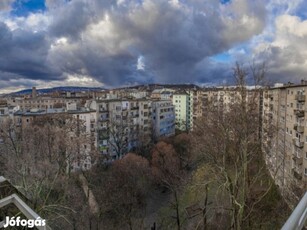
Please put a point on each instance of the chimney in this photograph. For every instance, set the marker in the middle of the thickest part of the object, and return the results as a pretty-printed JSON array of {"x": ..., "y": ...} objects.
[{"x": 34, "y": 94}]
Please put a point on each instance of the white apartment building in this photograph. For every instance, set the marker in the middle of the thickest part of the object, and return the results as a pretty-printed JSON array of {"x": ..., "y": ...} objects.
[{"x": 183, "y": 110}]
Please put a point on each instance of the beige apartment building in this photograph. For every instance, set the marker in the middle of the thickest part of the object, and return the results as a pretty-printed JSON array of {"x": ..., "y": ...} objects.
[
  {"x": 122, "y": 125},
  {"x": 285, "y": 137}
]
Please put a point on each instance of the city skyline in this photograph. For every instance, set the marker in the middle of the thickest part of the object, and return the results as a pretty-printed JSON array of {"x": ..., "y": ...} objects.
[{"x": 119, "y": 43}]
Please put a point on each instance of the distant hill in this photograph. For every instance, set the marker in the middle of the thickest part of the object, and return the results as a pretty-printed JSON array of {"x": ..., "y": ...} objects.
[
  {"x": 159, "y": 86},
  {"x": 80, "y": 89},
  {"x": 59, "y": 89}
]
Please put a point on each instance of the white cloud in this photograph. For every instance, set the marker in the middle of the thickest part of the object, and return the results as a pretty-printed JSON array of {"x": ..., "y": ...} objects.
[{"x": 140, "y": 63}]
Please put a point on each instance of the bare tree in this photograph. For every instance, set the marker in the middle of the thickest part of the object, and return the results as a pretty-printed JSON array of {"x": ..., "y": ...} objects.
[
  {"x": 168, "y": 172},
  {"x": 229, "y": 142},
  {"x": 37, "y": 158},
  {"x": 118, "y": 136}
]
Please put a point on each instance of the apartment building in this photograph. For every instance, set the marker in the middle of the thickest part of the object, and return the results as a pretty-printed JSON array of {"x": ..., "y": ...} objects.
[
  {"x": 162, "y": 94},
  {"x": 163, "y": 118},
  {"x": 285, "y": 137},
  {"x": 7, "y": 111},
  {"x": 88, "y": 123},
  {"x": 123, "y": 124},
  {"x": 85, "y": 124},
  {"x": 44, "y": 102},
  {"x": 183, "y": 110}
]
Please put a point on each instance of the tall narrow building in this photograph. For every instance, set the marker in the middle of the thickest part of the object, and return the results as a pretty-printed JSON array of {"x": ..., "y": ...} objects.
[{"x": 285, "y": 137}]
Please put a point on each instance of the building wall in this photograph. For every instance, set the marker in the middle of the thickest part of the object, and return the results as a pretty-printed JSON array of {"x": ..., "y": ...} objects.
[
  {"x": 285, "y": 137},
  {"x": 131, "y": 115},
  {"x": 163, "y": 118},
  {"x": 182, "y": 111}
]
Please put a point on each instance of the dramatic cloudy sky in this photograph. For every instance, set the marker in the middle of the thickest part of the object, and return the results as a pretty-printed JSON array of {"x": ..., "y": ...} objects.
[{"x": 112, "y": 43}]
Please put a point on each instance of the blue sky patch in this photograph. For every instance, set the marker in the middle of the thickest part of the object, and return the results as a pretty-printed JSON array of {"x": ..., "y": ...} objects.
[
  {"x": 222, "y": 57},
  {"x": 25, "y": 7},
  {"x": 224, "y": 1}
]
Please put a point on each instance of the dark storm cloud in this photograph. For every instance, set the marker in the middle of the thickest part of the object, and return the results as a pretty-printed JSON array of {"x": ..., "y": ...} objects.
[
  {"x": 285, "y": 64},
  {"x": 24, "y": 53},
  {"x": 70, "y": 20},
  {"x": 104, "y": 39},
  {"x": 172, "y": 38}
]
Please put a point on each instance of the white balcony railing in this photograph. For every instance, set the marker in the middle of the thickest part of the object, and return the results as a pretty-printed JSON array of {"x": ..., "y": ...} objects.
[
  {"x": 298, "y": 217},
  {"x": 21, "y": 205}
]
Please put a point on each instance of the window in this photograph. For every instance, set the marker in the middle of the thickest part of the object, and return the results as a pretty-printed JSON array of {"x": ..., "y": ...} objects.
[{"x": 305, "y": 171}]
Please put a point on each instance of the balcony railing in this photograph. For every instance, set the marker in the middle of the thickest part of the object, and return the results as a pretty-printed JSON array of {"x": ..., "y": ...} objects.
[
  {"x": 298, "y": 143},
  {"x": 103, "y": 119},
  {"x": 23, "y": 207},
  {"x": 19, "y": 203},
  {"x": 298, "y": 160},
  {"x": 296, "y": 173},
  {"x": 299, "y": 112},
  {"x": 299, "y": 128},
  {"x": 298, "y": 218},
  {"x": 300, "y": 98}
]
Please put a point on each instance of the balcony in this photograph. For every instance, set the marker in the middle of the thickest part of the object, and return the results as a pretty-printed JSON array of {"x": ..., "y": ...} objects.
[
  {"x": 103, "y": 148},
  {"x": 103, "y": 135},
  {"x": 298, "y": 160},
  {"x": 103, "y": 119},
  {"x": 298, "y": 143},
  {"x": 299, "y": 128},
  {"x": 103, "y": 110},
  {"x": 299, "y": 112},
  {"x": 135, "y": 108},
  {"x": 298, "y": 218},
  {"x": 300, "y": 98},
  {"x": 10, "y": 197},
  {"x": 103, "y": 128},
  {"x": 296, "y": 174}
]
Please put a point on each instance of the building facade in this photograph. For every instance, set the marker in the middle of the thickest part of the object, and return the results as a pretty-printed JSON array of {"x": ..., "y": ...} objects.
[
  {"x": 285, "y": 137},
  {"x": 163, "y": 118},
  {"x": 183, "y": 110}
]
